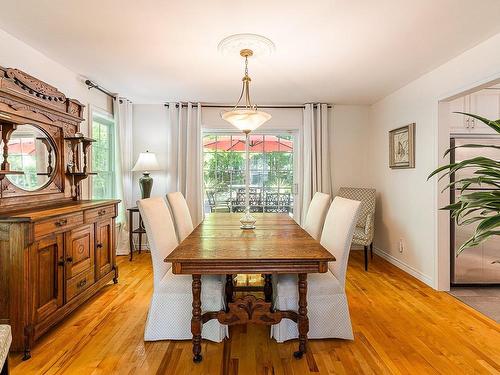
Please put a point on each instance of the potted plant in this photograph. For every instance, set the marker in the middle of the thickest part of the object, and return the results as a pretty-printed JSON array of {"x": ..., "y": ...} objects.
[{"x": 482, "y": 207}]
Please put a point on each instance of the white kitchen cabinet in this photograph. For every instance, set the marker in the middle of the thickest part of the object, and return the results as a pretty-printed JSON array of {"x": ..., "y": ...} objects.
[{"x": 485, "y": 103}]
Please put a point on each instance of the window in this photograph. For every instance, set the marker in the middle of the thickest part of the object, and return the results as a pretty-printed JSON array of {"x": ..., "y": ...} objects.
[
  {"x": 271, "y": 172},
  {"x": 103, "y": 156}
]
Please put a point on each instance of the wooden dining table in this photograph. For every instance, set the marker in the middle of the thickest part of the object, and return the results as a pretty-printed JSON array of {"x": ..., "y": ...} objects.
[{"x": 278, "y": 245}]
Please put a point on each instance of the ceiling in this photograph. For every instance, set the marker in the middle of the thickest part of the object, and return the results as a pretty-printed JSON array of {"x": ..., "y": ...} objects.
[{"x": 336, "y": 51}]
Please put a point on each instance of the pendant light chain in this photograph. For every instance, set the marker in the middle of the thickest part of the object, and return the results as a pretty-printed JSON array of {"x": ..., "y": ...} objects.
[{"x": 246, "y": 85}]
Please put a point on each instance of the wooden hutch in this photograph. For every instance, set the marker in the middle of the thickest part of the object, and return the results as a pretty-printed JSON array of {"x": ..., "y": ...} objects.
[{"x": 56, "y": 250}]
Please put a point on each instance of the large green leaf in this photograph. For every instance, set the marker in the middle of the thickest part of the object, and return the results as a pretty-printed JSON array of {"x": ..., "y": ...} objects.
[
  {"x": 494, "y": 124},
  {"x": 482, "y": 207},
  {"x": 470, "y": 145}
]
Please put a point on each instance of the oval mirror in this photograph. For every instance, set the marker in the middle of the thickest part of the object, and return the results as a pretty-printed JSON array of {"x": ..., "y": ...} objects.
[{"x": 33, "y": 152}]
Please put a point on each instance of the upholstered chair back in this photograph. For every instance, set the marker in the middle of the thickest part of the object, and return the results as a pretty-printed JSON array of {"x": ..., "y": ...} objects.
[
  {"x": 337, "y": 233},
  {"x": 161, "y": 233},
  {"x": 316, "y": 214},
  {"x": 182, "y": 216},
  {"x": 367, "y": 198}
]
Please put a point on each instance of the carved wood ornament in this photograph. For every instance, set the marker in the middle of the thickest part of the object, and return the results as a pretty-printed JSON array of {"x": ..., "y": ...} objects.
[{"x": 25, "y": 99}]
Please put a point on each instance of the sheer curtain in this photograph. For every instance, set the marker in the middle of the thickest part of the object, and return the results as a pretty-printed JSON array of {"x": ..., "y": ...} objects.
[
  {"x": 184, "y": 165},
  {"x": 315, "y": 170},
  {"x": 123, "y": 169}
]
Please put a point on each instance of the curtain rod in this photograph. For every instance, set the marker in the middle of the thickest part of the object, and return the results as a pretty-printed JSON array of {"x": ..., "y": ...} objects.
[
  {"x": 208, "y": 105},
  {"x": 92, "y": 85}
]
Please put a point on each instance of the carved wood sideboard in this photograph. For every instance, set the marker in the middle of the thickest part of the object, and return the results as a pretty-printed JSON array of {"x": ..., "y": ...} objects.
[
  {"x": 51, "y": 261},
  {"x": 56, "y": 250}
]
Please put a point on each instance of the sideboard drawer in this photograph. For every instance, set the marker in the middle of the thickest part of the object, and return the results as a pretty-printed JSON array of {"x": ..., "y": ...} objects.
[
  {"x": 79, "y": 283},
  {"x": 95, "y": 214},
  {"x": 58, "y": 224}
]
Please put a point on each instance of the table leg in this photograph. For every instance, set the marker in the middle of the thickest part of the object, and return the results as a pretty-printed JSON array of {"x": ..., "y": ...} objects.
[
  {"x": 196, "y": 319},
  {"x": 268, "y": 287},
  {"x": 303, "y": 320},
  {"x": 229, "y": 290},
  {"x": 130, "y": 234}
]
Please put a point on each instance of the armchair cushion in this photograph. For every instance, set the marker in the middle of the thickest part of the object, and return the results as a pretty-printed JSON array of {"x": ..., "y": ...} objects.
[
  {"x": 5, "y": 341},
  {"x": 360, "y": 237}
]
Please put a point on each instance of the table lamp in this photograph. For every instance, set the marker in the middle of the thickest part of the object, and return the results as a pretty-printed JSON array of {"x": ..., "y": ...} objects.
[{"x": 146, "y": 162}]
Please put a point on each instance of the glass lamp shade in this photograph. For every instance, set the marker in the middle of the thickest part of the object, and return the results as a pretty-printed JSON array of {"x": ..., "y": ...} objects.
[
  {"x": 246, "y": 120},
  {"x": 146, "y": 162}
]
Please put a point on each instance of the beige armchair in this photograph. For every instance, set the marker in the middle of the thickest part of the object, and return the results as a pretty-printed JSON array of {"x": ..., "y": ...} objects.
[
  {"x": 5, "y": 341},
  {"x": 365, "y": 226}
]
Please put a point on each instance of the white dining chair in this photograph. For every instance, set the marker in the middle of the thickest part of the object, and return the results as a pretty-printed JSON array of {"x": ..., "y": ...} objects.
[
  {"x": 327, "y": 306},
  {"x": 316, "y": 213},
  {"x": 169, "y": 316},
  {"x": 182, "y": 216}
]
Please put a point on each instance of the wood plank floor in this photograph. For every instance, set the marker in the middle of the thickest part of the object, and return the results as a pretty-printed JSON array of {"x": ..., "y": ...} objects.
[{"x": 400, "y": 326}]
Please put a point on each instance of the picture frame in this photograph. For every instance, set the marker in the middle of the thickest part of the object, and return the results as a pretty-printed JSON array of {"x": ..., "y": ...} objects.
[{"x": 402, "y": 147}]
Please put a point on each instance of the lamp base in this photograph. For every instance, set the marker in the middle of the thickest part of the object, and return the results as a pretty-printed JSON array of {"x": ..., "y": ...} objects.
[
  {"x": 146, "y": 184},
  {"x": 247, "y": 220}
]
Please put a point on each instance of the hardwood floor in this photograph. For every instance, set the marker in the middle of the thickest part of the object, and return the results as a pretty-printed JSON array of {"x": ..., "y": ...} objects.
[{"x": 401, "y": 326}]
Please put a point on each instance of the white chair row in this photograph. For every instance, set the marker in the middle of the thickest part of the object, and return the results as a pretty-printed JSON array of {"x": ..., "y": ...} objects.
[
  {"x": 169, "y": 316},
  {"x": 327, "y": 305}
]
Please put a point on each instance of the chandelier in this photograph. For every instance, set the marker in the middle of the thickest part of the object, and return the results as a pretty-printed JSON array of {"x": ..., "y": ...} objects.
[{"x": 246, "y": 117}]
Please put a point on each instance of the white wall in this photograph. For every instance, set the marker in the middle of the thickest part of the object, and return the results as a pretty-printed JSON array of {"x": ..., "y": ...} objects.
[
  {"x": 350, "y": 140},
  {"x": 408, "y": 204},
  {"x": 17, "y": 54}
]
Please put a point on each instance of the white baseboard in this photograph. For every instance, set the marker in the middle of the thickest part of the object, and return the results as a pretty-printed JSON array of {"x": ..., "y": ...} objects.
[{"x": 405, "y": 267}]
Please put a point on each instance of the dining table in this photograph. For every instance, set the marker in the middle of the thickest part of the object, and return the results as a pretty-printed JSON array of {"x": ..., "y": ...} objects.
[{"x": 277, "y": 245}]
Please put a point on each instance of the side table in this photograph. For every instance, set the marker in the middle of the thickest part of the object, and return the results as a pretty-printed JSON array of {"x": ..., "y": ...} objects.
[{"x": 139, "y": 230}]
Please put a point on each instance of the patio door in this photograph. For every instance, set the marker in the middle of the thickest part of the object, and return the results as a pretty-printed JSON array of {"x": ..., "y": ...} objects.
[{"x": 272, "y": 172}]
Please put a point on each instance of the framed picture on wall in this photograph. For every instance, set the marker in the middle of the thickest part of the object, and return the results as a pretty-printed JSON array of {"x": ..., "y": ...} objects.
[{"x": 402, "y": 147}]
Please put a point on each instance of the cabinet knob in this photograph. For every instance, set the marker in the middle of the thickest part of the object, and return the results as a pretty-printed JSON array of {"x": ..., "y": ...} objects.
[
  {"x": 101, "y": 212},
  {"x": 61, "y": 222},
  {"x": 69, "y": 259},
  {"x": 60, "y": 262},
  {"x": 81, "y": 283},
  {"x": 99, "y": 245}
]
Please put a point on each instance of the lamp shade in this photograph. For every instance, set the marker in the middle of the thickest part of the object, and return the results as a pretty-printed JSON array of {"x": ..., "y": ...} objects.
[
  {"x": 146, "y": 162},
  {"x": 246, "y": 120}
]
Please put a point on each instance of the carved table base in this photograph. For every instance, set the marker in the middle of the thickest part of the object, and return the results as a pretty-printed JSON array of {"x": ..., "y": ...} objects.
[{"x": 249, "y": 309}]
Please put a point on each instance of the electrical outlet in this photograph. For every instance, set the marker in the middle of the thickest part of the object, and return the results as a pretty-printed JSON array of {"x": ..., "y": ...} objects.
[{"x": 401, "y": 245}]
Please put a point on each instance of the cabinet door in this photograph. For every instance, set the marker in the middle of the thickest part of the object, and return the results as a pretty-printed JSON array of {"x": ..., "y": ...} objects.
[
  {"x": 458, "y": 122},
  {"x": 104, "y": 247},
  {"x": 485, "y": 103},
  {"x": 80, "y": 260},
  {"x": 47, "y": 274}
]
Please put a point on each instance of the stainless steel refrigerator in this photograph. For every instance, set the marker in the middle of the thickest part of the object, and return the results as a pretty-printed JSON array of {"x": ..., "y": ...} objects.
[{"x": 481, "y": 264}]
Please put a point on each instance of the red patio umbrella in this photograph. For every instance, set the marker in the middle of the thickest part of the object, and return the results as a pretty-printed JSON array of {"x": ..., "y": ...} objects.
[
  {"x": 26, "y": 148},
  {"x": 270, "y": 143}
]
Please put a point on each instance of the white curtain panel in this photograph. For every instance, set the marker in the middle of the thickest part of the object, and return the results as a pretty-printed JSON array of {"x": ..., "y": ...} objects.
[
  {"x": 123, "y": 167},
  {"x": 315, "y": 171},
  {"x": 184, "y": 165}
]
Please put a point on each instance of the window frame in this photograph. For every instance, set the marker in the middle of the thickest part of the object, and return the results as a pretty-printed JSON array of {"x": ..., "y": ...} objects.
[
  {"x": 109, "y": 121},
  {"x": 274, "y": 132}
]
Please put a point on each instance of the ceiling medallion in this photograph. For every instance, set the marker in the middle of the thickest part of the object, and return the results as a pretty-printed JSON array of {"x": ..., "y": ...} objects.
[{"x": 233, "y": 44}]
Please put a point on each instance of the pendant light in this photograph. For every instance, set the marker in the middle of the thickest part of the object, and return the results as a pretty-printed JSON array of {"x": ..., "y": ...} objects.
[{"x": 246, "y": 118}]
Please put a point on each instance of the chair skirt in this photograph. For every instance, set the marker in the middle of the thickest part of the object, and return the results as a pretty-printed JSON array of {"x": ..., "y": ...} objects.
[
  {"x": 327, "y": 308},
  {"x": 170, "y": 312}
]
